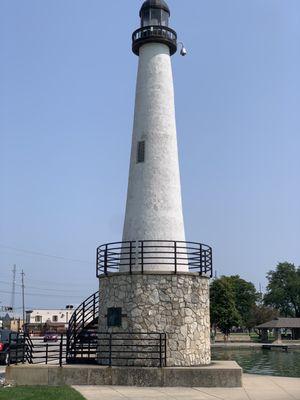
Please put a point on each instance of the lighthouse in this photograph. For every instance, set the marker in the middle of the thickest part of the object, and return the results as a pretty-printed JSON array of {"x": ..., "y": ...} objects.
[
  {"x": 154, "y": 285},
  {"x": 154, "y": 206}
]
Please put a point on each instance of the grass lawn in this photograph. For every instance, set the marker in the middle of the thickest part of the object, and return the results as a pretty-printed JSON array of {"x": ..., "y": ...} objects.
[{"x": 39, "y": 393}]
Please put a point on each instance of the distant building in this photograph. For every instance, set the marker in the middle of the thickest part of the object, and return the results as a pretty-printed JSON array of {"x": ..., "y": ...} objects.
[
  {"x": 16, "y": 324},
  {"x": 40, "y": 320}
]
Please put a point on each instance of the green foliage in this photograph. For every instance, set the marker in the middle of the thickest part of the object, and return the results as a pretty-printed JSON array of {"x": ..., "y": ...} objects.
[
  {"x": 233, "y": 299},
  {"x": 245, "y": 297},
  {"x": 39, "y": 393},
  {"x": 260, "y": 314},
  {"x": 223, "y": 311},
  {"x": 283, "y": 290}
]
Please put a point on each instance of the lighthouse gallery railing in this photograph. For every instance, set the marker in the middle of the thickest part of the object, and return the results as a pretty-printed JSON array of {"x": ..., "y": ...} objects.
[{"x": 144, "y": 255}]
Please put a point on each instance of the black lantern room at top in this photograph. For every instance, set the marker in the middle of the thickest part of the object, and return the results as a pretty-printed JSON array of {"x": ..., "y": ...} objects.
[
  {"x": 155, "y": 15},
  {"x": 154, "y": 12}
]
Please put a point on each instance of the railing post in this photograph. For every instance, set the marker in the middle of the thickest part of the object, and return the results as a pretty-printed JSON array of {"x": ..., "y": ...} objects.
[
  {"x": 165, "y": 340},
  {"x": 89, "y": 346},
  {"x": 94, "y": 305},
  {"x": 47, "y": 349},
  {"x": 175, "y": 256},
  {"x": 23, "y": 348},
  {"x": 130, "y": 258},
  {"x": 17, "y": 348},
  {"x": 61, "y": 350},
  {"x": 110, "y": 349},
  {"x": 160, "y": 350},
  {"x": 68, "y": 345},
  {"x": 74, "y": 325},
  {"x": 73, "y": 345},
  {"x": 201, "y": 260},
  {"x": 105, "y": 260},
  {"x": 142, "y": 255}
]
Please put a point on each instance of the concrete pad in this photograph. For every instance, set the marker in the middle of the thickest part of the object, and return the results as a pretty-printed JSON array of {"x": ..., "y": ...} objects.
[
  {"x": 219, "y": 374},
  {"x": 132, "y": 376},
  {"x": 256, "y": 387},
  {"x": 27, "y": 375},
  {"x": 225, "y": 393}
]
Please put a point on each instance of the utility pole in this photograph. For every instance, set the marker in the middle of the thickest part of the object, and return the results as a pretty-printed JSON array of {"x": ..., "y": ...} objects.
[
  {"x": 23, "y": 297},
  {"x": 13, "y": 290}
]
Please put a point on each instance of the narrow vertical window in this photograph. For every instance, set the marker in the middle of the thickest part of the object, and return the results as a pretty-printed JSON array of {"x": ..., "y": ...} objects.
[{"x": 141, "y": 152}]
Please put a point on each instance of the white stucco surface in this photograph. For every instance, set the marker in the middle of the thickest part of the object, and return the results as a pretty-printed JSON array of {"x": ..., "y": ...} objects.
[{"x": 154, "y": 206}]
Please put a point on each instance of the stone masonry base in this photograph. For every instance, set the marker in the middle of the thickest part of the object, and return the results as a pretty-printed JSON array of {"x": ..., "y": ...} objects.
[
  {"x": 177, "y": 305},
  {"x": 218, "y": 374}
]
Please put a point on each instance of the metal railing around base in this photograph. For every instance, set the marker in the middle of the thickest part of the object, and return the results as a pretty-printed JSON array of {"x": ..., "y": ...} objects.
[
  {"x": 35, "y": 350},
  {"x": 154, "y": 255},
  {"x": 132, "y": 349},
  {"x": 111, "y": 349}
]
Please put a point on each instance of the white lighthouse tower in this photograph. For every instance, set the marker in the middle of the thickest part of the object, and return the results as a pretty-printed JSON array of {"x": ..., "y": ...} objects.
[
  {"x": 154, "y": 207},
  {"x": 154, "y": 285}
]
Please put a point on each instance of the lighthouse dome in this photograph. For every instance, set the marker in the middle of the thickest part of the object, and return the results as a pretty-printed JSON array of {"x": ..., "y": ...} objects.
[
  {"x": 155, "y": 15},
  {"x": 158, "y": 4}
]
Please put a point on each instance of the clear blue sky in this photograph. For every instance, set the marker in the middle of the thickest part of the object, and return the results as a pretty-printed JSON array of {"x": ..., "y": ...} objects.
[{"x": 67, "y": 82}]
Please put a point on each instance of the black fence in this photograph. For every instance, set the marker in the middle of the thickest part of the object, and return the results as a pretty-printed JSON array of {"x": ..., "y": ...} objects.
[
  {"x": 111, "y": 349},
  {"x": 154, "y": 33},
  {"x": 151, "y": 255},
  {"x": 134, "y": 349},
  {"x": 36, "y": 350}
]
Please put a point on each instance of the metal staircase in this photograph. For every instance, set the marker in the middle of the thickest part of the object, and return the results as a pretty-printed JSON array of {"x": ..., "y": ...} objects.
[{"x": 81, "y": 334}]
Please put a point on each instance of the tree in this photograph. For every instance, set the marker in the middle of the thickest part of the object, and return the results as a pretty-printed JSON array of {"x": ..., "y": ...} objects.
[
  {"x": 283, "y": 290},
  {"x": 260, "y": 314},
  {"x": 245, "y": 297},
  {"x": 223, "y": 311}
]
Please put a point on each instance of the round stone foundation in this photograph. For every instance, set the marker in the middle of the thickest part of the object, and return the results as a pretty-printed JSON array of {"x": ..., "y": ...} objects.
[{"x": 177, "y": 305}]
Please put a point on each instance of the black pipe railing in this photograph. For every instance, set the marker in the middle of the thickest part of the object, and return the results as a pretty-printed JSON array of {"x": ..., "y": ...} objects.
[
  {"x": 33, "y": 350},
  {"x": 152, "y": 255},
  {"x": 85, "y": 316},
  {"x": 111, "y": 349},
  {"x": 154, "y": 33},
  {"x": 132, "y": 349}
]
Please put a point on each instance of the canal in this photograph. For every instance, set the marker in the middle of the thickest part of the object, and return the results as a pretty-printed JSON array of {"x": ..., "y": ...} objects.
[{"x": 264, "y": 362}]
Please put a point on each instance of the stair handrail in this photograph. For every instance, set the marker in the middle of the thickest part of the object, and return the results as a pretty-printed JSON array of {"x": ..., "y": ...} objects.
[{"x": 84, "y": 314}]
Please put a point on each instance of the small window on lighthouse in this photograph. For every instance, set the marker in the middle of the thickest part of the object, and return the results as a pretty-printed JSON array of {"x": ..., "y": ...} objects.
[
  {"x": 114, "y": 316},
  {"x": 141, "y": 152}
]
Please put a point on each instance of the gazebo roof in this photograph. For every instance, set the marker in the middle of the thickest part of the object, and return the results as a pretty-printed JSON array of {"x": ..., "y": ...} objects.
[{"x": 281, "y": 323}]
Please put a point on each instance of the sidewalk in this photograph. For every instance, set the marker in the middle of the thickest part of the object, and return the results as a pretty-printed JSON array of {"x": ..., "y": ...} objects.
[{"x": 255, "y": 387}]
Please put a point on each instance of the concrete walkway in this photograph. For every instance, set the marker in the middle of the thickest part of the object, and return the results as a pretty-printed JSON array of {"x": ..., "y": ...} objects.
[{"x": 255, "y": 387}]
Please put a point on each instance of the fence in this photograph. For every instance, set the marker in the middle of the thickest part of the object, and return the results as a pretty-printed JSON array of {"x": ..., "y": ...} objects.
[
  {"x": 111, "y": 349},
  {"x": 36, "y": 350},
  {"x": 145, "y": 255}
]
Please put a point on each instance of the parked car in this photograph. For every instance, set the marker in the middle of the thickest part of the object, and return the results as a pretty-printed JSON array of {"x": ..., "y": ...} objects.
[
  {"x": 13, "y": 347},
  {"x": 4, "y": 345},
  {"x": 50, "y": 337}
]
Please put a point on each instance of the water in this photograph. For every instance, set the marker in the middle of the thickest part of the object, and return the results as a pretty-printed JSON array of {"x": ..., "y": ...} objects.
[{"x": 263, "y": 362}]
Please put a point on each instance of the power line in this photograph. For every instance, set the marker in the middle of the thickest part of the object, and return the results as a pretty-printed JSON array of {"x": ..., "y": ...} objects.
[
  {"x": 51, "y": 283},
  {"x": 43, "y": 294},
  {"x": 37, "y": 253},
  {"x": 46, "y": 289}
]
